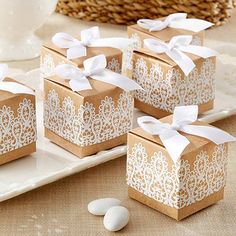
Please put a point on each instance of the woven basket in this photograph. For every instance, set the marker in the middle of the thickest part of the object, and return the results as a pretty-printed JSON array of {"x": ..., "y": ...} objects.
[{"x": 129, "y": 11}]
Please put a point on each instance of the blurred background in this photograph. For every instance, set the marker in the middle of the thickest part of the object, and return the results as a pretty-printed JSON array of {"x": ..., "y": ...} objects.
[{"x": 127, "y": 12}]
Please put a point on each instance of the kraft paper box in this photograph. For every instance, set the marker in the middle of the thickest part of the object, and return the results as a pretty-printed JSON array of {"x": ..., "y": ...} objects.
[
  {"x": 51, "y": 56},
  {"x": 138, "y": 34},
  {"x": 166, "y": 86},
  {"x": 178, "y": 190},
  {"x": 17, "y": 125},
  {"x": 88, "y": 121}
]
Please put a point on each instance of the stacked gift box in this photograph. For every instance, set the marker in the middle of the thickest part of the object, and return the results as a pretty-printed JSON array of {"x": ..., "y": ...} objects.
[
  {"x": 88, "y": 106},
  {"x": 172, "y": 70},
  {"x": 176, "y": 165}
]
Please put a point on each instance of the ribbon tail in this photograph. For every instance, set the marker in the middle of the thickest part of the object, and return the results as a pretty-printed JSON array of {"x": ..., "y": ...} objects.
[
  {"x": 214, "y": 134},
  {"x": 116, "y": 79},
  {"x": 175, "y": 143},
  {"x": 195, "y": 25},
  {"x": 200, "y": 51},
  {"x": 119, "y": 43},
  {"x": 183, "y": 61},
  {"x": 15, "y": 88}
]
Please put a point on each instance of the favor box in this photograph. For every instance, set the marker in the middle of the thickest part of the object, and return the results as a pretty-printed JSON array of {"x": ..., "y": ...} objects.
[
  {"x": 138, "y": 34},
  {"x": 88, "y": 121},
  {"x": 17, "y": 125},
  {"x": 51, "y": 56},
  {"x": 166, "y": 86},
  {"x": 178, "y": 189}
]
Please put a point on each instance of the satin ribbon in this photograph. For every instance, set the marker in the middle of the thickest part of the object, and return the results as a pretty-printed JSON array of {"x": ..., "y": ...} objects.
[
  {"x": 176, "y": 49},
  {"x": 176, "y": 21},
  {"x": 12, "y": 87},
  {"x": 183, "y": 117},
  {"x": 94, "y": 68},
  {"x": 89, "y": 38}
]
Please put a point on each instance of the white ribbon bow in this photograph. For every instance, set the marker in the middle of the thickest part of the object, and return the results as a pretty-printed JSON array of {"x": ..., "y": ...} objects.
[
  {"x": 177, "y": 21},
  {"x": 89, "y": 38},
  {"x": 12, "y": 87},
  {"x": 183, "y": 117},
  {"x": 175, "y": 51},
  {"x": 94, "y": 68}
]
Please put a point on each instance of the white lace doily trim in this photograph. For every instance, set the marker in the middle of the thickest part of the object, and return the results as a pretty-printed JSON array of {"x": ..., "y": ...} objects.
[
  {"x": 17, "y": 131},
  {"x": 167, "y": 90},
  {"x": 177, "y": 185},
  {"x": 84, "y": 126}
]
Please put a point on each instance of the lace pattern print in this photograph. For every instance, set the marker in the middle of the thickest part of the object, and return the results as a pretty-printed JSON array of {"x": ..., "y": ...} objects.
[
  {"x": 83, "y": 126},
  {"x": 167, "y": 90},
  {"x": 48, "y": 65},
  {"x": 128, "y": 55},
  {"x": 17, "y": 131},
  {"x": 176, "y": 186},
  {"x": 114, "y": 65}
]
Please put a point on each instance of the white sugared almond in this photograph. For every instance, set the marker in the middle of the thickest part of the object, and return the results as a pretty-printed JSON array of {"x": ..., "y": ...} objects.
[
  {"x": 116, "y": 218},
  {"x": 100, "y": 206}
]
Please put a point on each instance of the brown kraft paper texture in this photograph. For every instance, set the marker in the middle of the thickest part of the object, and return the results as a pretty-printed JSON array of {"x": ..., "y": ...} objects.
[
  {"x": 51, "y": 56},
  {"x": 165, "y": 85},
  {"x": 179, "y": 189},
  {"x": 89, "y": 121},
  {"x": 17, "y": 125}
]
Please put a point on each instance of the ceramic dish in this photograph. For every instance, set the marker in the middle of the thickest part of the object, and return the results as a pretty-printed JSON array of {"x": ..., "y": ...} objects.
[{"x": 51, "y": 162}]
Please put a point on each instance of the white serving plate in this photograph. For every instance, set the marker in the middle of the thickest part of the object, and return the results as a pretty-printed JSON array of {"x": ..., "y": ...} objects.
[{"x": 51, "y": 162}]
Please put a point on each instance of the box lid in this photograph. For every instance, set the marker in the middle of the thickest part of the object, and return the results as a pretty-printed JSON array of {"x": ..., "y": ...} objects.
[
  {"x": 4, "y": 95},
  {"x": 91, "y": 52},
  {"x": 98, "y": 87},
  {"x": 163, "y": 57},
  {"x": 165, "y": 34},
  {"x": 196, "y": 142}
]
